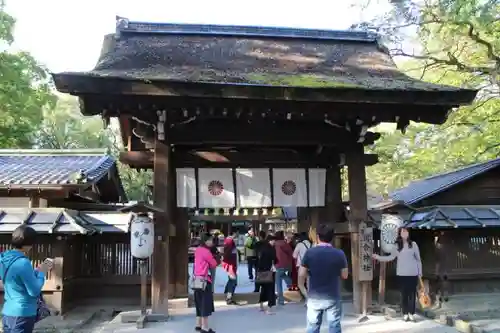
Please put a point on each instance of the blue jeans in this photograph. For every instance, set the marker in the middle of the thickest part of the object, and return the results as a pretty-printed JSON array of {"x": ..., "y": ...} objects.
[
  {"x": 315, "y": 310},
  {"x": 282, "y": 274},
  {"x": 18, "y": 324}
]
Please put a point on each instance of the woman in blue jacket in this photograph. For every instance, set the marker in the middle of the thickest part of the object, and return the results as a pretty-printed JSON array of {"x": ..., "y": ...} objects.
[{"x": 22, "y": 284}]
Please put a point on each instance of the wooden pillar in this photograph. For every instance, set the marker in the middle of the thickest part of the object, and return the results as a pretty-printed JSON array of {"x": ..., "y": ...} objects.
[
  {"x": 179, "y": 257},
  {"x": 334, "y": 208},
  {"x": 357, "y": 214},
  {"x": 56, "y": 300},
  {"x": 303, "y": 222},
  {"x": 162, "y": 198}
]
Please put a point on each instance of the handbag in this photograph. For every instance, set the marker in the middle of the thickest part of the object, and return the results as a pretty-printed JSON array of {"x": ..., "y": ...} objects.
[
  {"x": 264, "y": 277},
  {"x": 42, "y": 309},
  {"x": 198, "y": 282},
  {"x": 423, "y": 298}
]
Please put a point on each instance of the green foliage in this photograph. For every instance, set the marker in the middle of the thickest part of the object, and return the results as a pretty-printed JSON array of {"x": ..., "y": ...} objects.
[
  {"x": 64, "y": 127},
  {"x": 461, "y": 47},
  {"x": 24, "y": 90}
]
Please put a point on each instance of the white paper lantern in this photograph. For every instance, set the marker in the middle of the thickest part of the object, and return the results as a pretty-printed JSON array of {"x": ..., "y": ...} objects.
[
  {"x": 389, "y": 227},
  {"x": 142, "y": 234}
]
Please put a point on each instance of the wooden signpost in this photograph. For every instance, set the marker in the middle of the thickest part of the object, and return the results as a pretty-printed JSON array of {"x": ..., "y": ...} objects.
[{"x": 365, "y": 263}]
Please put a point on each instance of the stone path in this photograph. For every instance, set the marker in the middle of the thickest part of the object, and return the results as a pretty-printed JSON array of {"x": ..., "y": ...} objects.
[
  {"x": 288, "y": 319},
  {"x": 481, "y": 310}
]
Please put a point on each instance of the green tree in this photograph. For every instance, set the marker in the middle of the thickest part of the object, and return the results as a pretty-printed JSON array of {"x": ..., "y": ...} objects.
[
  {"x": 458, "y": 43},
  {"x": 24, "y": 90},
  {"x": 64, "y": 127}
]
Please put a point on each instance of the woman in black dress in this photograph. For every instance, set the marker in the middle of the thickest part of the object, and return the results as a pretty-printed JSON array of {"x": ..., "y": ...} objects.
[{"x": 266, "y": 257}]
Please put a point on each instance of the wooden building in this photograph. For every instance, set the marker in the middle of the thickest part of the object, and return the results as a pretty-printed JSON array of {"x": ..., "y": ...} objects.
[
  {"x": 455, "y": 219},
  {"x": 227, "y": 97},
  {"x": 44, "y": 189}
]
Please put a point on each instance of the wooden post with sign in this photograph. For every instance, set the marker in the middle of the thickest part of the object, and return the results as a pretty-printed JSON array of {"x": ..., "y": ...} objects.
[{"x": 365, "y": 263}]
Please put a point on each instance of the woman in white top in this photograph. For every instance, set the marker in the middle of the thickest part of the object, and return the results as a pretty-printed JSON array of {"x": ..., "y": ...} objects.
[
  {"x": 408, "y": 270},
  {"x": 301, "y": 247}
]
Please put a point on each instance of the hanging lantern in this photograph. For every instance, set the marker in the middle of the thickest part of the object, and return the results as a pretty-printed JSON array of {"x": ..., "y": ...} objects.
[
  {"x": 389, "y": 227},
  {"x": 142, "y": 236}
]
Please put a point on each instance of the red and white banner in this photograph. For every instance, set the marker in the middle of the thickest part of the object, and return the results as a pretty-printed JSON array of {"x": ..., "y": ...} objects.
[
  {"x": 216, "y": 188},
  {"x": 289, "y": 188}
]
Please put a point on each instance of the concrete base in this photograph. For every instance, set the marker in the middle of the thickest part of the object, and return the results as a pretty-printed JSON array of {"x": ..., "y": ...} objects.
[{"x": 141, "y": 319}]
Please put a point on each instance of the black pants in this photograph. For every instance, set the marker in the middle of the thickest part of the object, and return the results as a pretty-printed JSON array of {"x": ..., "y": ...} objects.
[
  {"x": 267, "y": 293},
  {"x": 251, "y": 262},
  {"x": 408, "y": 287}
]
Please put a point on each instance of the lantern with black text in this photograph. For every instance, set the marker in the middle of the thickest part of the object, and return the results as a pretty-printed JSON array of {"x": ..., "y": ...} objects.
[
  {"x": 142, "y": 236},
  {"x": 389, "y": 228}
]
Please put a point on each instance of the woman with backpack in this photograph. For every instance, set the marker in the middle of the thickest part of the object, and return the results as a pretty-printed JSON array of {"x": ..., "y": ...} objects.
[{"x": 301, "y": 247}]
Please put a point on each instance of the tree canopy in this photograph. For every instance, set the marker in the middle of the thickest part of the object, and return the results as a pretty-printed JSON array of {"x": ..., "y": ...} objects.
[
  {"x": 24, "y": 90},
  {"x": 457, "y": 42}
]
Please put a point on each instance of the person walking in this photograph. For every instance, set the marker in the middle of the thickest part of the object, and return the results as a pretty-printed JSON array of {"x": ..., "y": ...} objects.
[
  {"x": 250, "y": 254},
  {"x": 261, "y": 240},
  {"x": 302, "y": 245},
  {"x": 204, "y": 261},
  {"x": 408, "y": 271},
  {"x": 325, "y": 266},
  {"x": 22, "y": 284},
  {"x": 265, "y": 277},
  {"x": 230, "y": 265},
  {"x": 284, "y": 263}
]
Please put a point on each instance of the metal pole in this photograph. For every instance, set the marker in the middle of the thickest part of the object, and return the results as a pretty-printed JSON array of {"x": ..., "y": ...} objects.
[{"x": 144, "y": 282}]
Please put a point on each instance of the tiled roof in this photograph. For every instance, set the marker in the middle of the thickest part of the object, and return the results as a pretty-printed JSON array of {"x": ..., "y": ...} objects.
[
  {"x": 63, "y": 221},
  {"x": 46, "y": 168},
  {"x": 422, "y": 189},
  {"x": 444, "y": 217}
]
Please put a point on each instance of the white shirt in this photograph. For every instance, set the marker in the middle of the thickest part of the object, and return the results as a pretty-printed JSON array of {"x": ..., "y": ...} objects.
[{"x": 300, "y": 250}]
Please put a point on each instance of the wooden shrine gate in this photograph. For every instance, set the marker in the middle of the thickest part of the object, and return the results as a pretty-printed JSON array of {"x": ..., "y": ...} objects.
[{"x": 191, "y": 96}]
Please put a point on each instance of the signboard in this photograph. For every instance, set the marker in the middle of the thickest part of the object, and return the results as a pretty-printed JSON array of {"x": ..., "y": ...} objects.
[
  {"x": 365, "y": 252},
  {"x": 389, "y": 227}
]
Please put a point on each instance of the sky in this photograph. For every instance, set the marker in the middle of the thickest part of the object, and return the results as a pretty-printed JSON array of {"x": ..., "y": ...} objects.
[{"x": 66, "y": 35}]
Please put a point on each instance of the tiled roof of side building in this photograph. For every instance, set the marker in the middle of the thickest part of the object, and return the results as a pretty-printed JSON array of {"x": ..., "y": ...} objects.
[
  {"x": 424, "y": 188},
  {"x": 49, "y": 168}
]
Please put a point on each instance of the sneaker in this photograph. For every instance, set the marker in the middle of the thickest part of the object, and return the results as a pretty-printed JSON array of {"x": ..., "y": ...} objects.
[
  {"x": 231, "y": 302},
  {"x": 197, "y": 329},
  {"x": 406, "y": 317},
  {"x": 411, "y": 317}
]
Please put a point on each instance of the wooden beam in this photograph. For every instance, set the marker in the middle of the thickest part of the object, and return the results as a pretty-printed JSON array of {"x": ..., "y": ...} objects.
[
  {"x": 264, "y": 133},
  {"x": 231, "y": 159}
]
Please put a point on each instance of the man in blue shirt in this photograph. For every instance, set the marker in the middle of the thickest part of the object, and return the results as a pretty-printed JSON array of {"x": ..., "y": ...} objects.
[{"x": 324, "y": 265}]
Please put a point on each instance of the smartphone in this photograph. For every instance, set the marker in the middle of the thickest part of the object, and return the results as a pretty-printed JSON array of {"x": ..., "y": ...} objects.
[{"x": 49, "y": 262}]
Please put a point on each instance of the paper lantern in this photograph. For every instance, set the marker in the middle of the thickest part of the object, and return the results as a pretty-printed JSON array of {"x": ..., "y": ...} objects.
[
  {"x": 142, "y": 234},
  {"x": 389, "y": 227}
]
